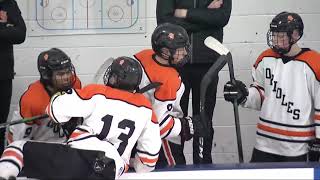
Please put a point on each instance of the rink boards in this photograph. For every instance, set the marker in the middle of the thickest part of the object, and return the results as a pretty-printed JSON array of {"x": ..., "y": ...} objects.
[{"x": 235, "y": 171}]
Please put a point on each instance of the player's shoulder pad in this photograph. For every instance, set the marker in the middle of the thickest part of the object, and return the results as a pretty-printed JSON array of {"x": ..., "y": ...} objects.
[
  {"x": 34, "y": 92},
  {"x": 144, "y": 54},
  {"x": 266, "y": 53},
  {"x": 77, "y": 84},
  {"x": 90, "y": 90},
  {"x": 312, "y": 59}
]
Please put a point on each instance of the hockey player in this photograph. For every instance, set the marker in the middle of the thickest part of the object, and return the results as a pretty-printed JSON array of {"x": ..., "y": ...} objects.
[
  {"x": 115, "y": 119},
  {"x": 286, "y": 90},
  {"x": 170, "y": 49},
  {"x": 56, "y": 74}
]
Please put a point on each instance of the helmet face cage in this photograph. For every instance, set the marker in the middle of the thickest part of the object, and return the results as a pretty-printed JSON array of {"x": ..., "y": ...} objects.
[
  {"x": 279, "y": 42},
  {"x": 124, "y": 73},
  {"x": 279, "y": 36},
  {"x": 171, "y": 42},
  {"x": 63, "y": 79},
  {"x": 177, "y": 57},
  {"x": 56, "y": 69}
]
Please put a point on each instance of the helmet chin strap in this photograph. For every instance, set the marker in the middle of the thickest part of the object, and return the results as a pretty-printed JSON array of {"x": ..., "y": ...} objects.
[
  {"x": 171, "y": 59},
  {"x": 282, "y": 51}
]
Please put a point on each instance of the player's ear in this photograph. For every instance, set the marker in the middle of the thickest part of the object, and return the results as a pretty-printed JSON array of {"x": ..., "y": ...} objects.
[{"x": 295, "y": 35}]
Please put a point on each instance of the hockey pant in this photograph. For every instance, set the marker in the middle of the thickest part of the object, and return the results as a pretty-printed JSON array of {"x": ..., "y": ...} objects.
[{"x": 60, "y": 161}]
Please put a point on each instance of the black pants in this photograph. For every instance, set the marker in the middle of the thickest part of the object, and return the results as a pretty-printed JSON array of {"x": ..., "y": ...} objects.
[
  {"x": 192, "y": 75},
  {"x": 261, "y": 156},
  {"x": 5, "y": 100},
  {"x": 58, "y": 161}
]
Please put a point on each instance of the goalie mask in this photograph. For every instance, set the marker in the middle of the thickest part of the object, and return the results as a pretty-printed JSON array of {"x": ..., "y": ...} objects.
[
  {"x": 56, "y": 69},
  {"x": 283, "y": 32},
  {"x": 124, "y": 73},
  {"x": 171, "y": 42}
]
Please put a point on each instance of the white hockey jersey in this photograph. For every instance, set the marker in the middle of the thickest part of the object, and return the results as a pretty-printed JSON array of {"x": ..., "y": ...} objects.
[
  {"x": 166, "y": 98},
  {"x": 287, "y": 93},
  {"x": 119, "y": 117}
]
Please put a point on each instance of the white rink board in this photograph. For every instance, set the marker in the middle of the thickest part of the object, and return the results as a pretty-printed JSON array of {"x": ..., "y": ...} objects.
[{"x": 292, "y": 173}]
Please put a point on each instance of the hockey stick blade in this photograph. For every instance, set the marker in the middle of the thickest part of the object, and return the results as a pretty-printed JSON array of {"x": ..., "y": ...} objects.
[
  {"x": 101, "y": 70},
  {"x": 215, "y": 45},
  {"x": 4, "y": 125}
]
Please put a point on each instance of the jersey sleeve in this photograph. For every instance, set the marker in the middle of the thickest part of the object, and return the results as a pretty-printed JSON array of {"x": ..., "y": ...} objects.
[
  {"x": 168, "y": 111},
  {"x": 148, "y": 147},
  {"x": 315, "y": 92},
  {"x": 256, "y": 90},
  {"x": 64, "y": 106},
  {"x": 18, "y": 131}
]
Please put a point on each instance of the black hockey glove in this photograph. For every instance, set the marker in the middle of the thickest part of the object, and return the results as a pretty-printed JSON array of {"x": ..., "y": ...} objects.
[
  {"x": 198, "y": 126},
  {"x": 56, "y": 128},
  {"x": 191, "y": 127},
  {"x": 238, "y": 91},
  {"x": 186, "y": 132},
  {"x": 314, "y": 150},
  {"x": 71, "y": 125}
]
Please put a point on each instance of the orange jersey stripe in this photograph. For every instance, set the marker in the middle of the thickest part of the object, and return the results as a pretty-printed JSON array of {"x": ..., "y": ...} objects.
[
  {"x": 167, "y": 127},
  {"x": 167, "y": 152},
  {"x": 76, "y": 134},
  {"x": 317, "y": 117},
  {"x": 11, "y": 153},
  {"x": 286, "y": 132},
  {"x": 266, "y": 53},
  {"x": 126, "y": 168},
  {"x": 147, "y": 160},
  {"x": 136, "y": 99}
]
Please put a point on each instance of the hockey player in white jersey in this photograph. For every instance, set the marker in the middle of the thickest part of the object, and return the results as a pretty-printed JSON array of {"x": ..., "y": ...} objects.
[
  {"x": 170, "y": 49},
  {"x": 57, "y": 73},
  {"x": 115, "y": 119},
  {"x": 286, "y": 90}
]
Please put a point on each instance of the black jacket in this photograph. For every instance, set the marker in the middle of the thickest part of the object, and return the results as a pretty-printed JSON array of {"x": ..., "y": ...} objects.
[
  {"x": 200, "y": 23},
  {"x": 12, "y": 32}
]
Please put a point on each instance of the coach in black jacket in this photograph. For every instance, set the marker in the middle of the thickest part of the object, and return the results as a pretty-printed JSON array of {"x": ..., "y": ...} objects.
[
  {"x": 12, "y": 31},
  {"x": 201, "y": 18}
]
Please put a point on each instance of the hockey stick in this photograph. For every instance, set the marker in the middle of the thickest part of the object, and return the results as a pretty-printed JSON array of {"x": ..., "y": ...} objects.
[
  {"x": 206, "y": 80},
  {"x": 101, "y": 70},
  {"x": 25, "y": 120},
  {"x": 215, "y": 45},
  {"x": 153, "y": 85}
]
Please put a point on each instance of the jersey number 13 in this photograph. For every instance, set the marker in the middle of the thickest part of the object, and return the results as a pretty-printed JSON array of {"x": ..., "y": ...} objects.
[{"x": 125, "y": 123}]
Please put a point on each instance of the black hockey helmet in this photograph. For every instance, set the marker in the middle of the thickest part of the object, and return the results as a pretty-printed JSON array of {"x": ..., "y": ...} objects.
[
  {"x": 284, "y": 22},
  {"x": 53, "y": 60},
  {"x": 124, "y": 73},
  {"x": 172, "y": 37}
]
